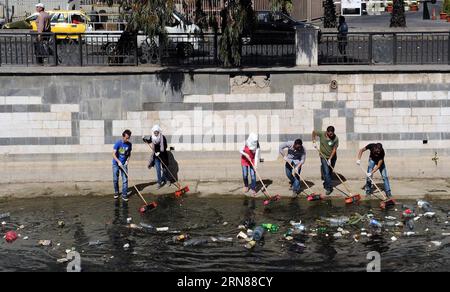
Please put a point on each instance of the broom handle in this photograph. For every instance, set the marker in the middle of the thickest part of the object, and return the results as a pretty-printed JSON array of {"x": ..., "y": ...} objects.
[
  {"x": 373, "y": 182},
  {"x": 139, "y": 193},
  {"x": 168, "y": 170},
  {"x": 337, "y": 174},
  {"x": 298, "y": 173},
  {"x": 259, "y": 177}
]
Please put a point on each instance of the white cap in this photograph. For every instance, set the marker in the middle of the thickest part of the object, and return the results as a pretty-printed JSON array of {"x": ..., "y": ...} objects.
[{"x": 40, "y": 5}]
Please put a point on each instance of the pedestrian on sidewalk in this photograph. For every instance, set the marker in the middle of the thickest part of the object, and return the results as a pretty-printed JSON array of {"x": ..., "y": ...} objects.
[
  {"x": 329, "y": 143},
  {"x": 295, "y": 159},
  {"x": 250, "y": 155},
  {"x": 158, "y": 143},
  {"x": 121, "y": 157},
  {"x": 376, "y": 162},
  {"x": 42, "y": 46}
]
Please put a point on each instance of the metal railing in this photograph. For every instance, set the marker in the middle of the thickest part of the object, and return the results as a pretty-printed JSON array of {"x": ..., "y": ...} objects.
[
  {"x": 106, "y": 49},
  {"x": 396, "y": 48}
]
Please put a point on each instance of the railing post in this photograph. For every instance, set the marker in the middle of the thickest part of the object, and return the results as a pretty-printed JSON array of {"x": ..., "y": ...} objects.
[
  {"x": 370, "y": 49},
  {"x": 394, "y": 53},
  {"x": 216, "y": 50},
  {"x": 136, "y": 49},
  {"x": 55, "y": 50},
  {"x": 448, "y": 49},
  {"x": 160, "y": 49},
  {"x": 80, "y": 46}
]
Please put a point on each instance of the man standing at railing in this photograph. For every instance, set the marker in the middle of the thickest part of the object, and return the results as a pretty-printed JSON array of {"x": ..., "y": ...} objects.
[
  {"x": 43, "y": 27},
  {"x": 342, "y": 36}
]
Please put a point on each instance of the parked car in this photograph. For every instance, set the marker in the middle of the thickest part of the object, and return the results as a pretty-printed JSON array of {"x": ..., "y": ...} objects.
[
  {"x": 183, "y": 40},
  {"x": 63, "y": 22},
  {"x": 274, "y": 28}
]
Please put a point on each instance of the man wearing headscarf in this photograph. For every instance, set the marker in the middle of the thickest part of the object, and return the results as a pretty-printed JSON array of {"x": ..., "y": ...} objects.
[
  {"x": 158, "y": 143},
  {"x": 250, "y": 155}
]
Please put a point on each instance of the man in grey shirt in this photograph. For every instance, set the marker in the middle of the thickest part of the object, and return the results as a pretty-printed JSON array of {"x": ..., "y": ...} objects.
[
  {"x": 43, "y": 26},
  {"x": 295, "y": 158}
]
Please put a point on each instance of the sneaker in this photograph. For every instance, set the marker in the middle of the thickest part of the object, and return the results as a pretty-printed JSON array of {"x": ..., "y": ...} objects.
[
  {"x": 246, "y": 189},
  {"x": 295, "y": 194},
  {"x": 253, "y": 193},
  {"x": 125, "y": 199},
  {"x": 161, "y": 185},
  {"x": 116, "y": 196},
  {"x": 328, "y": 192}
]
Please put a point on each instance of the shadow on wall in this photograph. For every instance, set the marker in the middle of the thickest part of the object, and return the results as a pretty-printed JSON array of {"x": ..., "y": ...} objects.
[
  {"x": 173, "y": 78},
  {"x": 173, "y": 167}
]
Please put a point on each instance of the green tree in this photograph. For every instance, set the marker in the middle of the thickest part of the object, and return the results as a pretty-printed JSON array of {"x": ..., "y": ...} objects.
[
  {"x": 284, "y": 6},
  {"x": 398, "y": 18},
  {"x": 329, "y": 20},
  {"x": 149, "y": 16},
  {"x": 446, "y": 6}
]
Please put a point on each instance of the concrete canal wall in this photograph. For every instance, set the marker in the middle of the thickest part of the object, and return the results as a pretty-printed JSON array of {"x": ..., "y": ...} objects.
[{"x": 59, "y": 124}]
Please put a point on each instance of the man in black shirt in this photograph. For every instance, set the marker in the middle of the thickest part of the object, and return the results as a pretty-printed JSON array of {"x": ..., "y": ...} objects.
[{"x": 376, "y": 162}]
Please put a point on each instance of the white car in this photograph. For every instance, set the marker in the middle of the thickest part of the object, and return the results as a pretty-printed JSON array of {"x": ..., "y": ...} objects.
[{"x": 183, "y": 38}]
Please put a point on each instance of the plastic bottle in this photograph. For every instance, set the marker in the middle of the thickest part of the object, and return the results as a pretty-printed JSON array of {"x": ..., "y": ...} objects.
[
  {"x": 196, "y": 242},
  {"x": 270, "y": 227},
  {"x": 147, "y": 226},
  {"x": 258, "y": 233},
  {"x": 337, "y": 222},
  {"x": 424, "y": 205},
  {"x": 375, "y": 224},
  {"x": 4, "y": 216}
]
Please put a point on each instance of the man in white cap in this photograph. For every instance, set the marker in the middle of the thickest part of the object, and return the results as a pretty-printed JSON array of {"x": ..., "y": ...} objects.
[
  {"x": 43, "y": 26},
  {"x": 43, "y": 19}
]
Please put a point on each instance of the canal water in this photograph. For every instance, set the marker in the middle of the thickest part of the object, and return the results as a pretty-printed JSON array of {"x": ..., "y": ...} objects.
[{"x": 100, "y": 220}]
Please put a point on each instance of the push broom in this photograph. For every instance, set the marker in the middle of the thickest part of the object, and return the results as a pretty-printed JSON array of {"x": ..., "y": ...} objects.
[
  {"x": 180, "y": 190},
  {"x": 350, "y": 199},
  {"x": 385, "y": 201},
  {"x": 312, "y": 196},
  {"x": 266, "y": 193},
  {"x": 147, "y": 206}
]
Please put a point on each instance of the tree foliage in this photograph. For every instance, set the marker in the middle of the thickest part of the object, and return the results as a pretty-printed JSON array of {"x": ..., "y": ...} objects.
[
  {"x": 398, "y": 18},
  {"x": 329, "y": 20}
]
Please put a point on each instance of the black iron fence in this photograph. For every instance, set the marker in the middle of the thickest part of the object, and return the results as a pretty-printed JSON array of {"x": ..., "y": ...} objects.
[
  {"x": 117, "y": 49},
  {"x": 108, "y": 49},
  {"x": 396, "y": 48}
]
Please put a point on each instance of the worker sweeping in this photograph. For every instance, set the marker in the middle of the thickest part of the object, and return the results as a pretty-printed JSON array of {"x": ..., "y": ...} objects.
[
  {"x": 121, "y": 157},
  {"x": 376, "y": 162},
  {"x": 158, "y": 143},
  {"x": 250, "y": 157},
  {"x": 329, "y": 143},
  {"x": 295, "y": 158}
]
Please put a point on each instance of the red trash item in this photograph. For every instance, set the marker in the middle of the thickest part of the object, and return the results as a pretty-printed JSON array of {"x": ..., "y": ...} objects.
[{"x": 11, "y": 236}]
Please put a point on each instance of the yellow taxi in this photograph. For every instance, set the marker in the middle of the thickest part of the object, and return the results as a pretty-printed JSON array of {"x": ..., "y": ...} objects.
[{"x": 64, "y": 23}]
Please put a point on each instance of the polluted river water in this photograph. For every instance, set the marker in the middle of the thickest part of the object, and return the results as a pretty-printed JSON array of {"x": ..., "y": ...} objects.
[{"x": 99, "y": 230}]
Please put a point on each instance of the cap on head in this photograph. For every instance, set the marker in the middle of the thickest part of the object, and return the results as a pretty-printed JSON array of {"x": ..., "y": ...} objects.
[{"x": 40, "y": 5}]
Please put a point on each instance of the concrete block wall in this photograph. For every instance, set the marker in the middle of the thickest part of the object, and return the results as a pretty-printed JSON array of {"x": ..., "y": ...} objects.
[{"x": 72, "y": 119}]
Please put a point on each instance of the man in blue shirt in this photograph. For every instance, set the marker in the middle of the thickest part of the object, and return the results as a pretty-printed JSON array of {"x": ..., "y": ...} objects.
[{"x": 121, "y": 157}]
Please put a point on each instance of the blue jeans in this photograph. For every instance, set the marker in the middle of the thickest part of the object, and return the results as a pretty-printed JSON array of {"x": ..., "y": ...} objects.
[
  {"x": 384, "y": 175},
  {"x": 327, "y": 172},
  {"x": 160, "y": 172},
  {"x": 295, "y": 180},
  {"x": 116, "y": 171},
  {"x": 245, "y": 171}
]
